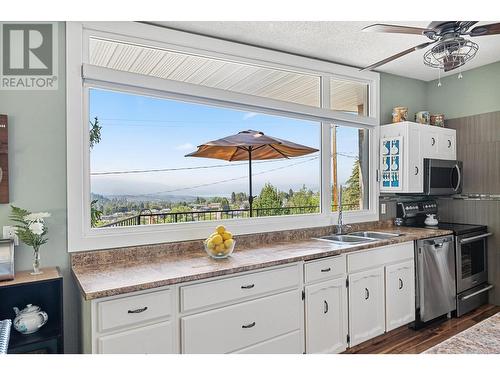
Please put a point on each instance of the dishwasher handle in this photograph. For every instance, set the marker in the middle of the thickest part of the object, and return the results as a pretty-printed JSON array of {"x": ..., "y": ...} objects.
[{"x": 475, "y": 238}]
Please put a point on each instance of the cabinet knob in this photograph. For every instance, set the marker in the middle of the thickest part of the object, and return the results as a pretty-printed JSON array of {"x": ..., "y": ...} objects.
[
  {"x": 401, "y": 284},
  {"x": 248, "y": 325},
  {"x": 325, "y": 307},
  {"x": 367, "y": 293}
]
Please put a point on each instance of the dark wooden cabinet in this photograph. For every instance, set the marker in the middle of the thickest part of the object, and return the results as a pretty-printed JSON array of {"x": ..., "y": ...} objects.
[{"x": 46, "y": 291}]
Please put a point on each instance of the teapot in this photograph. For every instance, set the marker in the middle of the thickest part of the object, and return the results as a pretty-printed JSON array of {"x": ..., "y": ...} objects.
[
  {"x": 30, "y": 319},
  {"x": 431, "y": 220}
]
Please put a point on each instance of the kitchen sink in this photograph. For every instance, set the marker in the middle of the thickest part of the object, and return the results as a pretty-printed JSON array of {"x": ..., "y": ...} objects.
[
  {"x": 358, "y": 237},
  {"x": 346, "y": 238},
  {"x": 376, "y": 235}
]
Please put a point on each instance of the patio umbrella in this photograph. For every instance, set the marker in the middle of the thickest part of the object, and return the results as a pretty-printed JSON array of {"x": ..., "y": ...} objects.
[{"x": 250, "y": 145}]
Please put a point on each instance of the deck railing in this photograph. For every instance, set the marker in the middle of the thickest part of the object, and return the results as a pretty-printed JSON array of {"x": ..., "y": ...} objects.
[{"x": 147, "y": 218}]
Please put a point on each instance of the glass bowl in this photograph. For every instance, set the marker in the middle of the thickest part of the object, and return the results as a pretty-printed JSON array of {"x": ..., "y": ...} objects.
[{"x": 220, "y": 253}]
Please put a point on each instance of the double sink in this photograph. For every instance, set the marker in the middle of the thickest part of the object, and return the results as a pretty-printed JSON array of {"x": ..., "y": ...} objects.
[{"x": 355, "y": 238}]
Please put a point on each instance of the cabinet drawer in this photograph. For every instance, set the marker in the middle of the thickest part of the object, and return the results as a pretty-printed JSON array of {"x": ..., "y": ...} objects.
[
  {"x": 152, "y": 339},
  {"x": 235, "y": 288},
  {"x": 132, "y": 310},
  {"x": 380, "y": 256},
  {"x": 291, "y": 343},
  {"x": 238, "y": 326},
  {"x": 324, "y": 269}
]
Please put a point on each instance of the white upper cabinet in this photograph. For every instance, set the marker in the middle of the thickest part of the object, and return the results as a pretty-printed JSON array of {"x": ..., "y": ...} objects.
[{"x": 401, "y": 168}]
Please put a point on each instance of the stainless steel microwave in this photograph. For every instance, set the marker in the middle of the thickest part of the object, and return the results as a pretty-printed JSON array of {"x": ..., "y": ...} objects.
[{"x": 442, "y": 177}]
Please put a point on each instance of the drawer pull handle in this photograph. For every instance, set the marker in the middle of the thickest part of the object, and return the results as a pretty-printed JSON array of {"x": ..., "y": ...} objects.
[
  {"x": 449, "y": 143},
  {"x": 433, "y": 141},
  {"x": 249, "y": 286},
  {"x": 401, "y": 284},
  {"x": 416, "y": 170},
  {"x": 248, "y": 325},
  {"x": 326, "y": 307},
  {"x": 138, "y": 311},
  {"x": 326, "y": 269},
  {"x": 367, "y": 293}
]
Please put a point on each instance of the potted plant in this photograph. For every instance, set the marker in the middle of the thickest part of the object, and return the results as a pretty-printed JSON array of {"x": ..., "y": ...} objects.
[{"x": 31, "y": 230}]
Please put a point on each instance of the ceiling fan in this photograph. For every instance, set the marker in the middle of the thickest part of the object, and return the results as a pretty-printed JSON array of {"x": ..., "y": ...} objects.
[{"x": 450, "y": 51}]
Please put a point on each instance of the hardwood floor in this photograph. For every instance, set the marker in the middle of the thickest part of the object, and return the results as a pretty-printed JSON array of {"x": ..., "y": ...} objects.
[{"x": 405, "y": 340}]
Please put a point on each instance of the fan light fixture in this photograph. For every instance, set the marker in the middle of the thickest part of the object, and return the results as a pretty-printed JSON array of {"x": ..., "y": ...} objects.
[{"x": 450, "y": 54}]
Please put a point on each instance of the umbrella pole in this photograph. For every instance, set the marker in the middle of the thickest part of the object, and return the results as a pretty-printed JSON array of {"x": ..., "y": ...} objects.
[{"x": 250, "y": 196}]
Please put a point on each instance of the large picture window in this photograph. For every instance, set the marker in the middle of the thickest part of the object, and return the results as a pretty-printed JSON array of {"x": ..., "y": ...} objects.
[
  {"x": 140, "y": 174},
  {"x": 141, "y": 98}
]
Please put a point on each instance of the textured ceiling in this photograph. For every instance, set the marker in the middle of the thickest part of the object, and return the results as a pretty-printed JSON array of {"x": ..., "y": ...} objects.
[{"x": 340, "y": 41}]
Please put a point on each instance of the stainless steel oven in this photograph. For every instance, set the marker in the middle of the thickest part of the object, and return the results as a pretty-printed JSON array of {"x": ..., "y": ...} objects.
[
  {"x": 442, "y": 177},
  {"x": 472, "y": 270},
  {"x": 472, "y": 260}
]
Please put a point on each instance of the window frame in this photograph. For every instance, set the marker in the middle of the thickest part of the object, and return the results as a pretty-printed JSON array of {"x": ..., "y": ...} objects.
[{"x": 81, "y": 76}]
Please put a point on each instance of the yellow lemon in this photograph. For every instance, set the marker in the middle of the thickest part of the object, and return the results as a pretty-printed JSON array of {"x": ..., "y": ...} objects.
[
  {"x": 219, "y": 249},
  {"x": 210, "y": 244},
  {"x": 220, "y": 229},
  {"x": 213, "y": 235},
  {"x": 227, "y": 235},
  {"x": 217, "y": 239},
  {"x": 228, "y": 243}
]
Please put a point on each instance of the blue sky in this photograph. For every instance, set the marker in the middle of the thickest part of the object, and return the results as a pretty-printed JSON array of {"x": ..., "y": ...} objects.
[{"x": 140, "y": 132}]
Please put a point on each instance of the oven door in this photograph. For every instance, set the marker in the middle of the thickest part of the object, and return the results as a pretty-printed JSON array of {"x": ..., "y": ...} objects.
[
  {"x": 442, "y": 177},
  {"x": 472, "y": 260}
]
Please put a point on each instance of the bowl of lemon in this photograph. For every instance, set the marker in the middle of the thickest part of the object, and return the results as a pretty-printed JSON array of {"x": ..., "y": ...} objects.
[{"x": 220, "y": 244}]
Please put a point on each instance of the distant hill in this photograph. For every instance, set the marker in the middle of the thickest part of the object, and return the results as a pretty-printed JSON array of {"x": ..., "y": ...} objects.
[{"x": 144, "y": 198}]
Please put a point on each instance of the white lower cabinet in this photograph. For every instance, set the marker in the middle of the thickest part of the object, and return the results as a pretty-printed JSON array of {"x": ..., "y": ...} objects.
[
  {"x": 234, "y": 327},
  {"x": 151, "y": 339},
  {"x": 366, "y": 305},
  {"x": 326, "y": 316},
  {"x": 400, "y": 294}
]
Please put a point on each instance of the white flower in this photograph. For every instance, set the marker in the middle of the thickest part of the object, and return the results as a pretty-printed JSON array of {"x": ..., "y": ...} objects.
[
  {"x": 37, "y": 216},
  {"x": 36, "y": 228}
]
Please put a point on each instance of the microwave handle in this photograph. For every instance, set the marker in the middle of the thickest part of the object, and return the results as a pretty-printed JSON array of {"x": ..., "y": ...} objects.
[
  {"x": 475, "y": 238},
  {"x": 457, "y": 167}
]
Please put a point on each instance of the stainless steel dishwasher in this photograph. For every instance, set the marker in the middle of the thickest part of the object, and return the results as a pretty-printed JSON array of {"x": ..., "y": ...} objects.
[{"x": 435, "y": 278}]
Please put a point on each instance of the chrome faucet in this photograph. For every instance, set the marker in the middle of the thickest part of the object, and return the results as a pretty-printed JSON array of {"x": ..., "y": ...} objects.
[{"x": 341, "y": 228}]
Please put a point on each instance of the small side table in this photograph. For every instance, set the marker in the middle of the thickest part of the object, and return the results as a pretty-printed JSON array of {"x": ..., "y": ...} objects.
[{"x": 44, "y": 290}]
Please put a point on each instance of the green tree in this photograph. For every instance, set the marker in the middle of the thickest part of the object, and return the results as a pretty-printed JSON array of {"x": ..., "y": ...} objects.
[
  {"x": 94, "y": 133},
  {"x": 269, "y": 197},
  {"x": 351, "y": 196}
]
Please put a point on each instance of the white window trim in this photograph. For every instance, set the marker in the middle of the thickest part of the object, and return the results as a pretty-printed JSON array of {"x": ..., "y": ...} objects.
[{"x": 82, "y": 237}]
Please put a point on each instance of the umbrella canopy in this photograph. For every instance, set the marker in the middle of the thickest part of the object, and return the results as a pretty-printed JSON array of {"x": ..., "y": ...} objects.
[
  {"x": 262, "y": 147},
  {"x": 250, "y": 145}
]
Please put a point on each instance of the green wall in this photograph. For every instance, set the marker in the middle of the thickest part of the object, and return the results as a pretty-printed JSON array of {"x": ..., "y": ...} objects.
[
  {"x": 397, "y": 91},
  {"x": 37, "y": 173},
  {"x": 477, "y": 92}
]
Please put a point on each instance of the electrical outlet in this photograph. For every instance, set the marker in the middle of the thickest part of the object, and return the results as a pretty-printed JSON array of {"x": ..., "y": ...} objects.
[
  {"x": 383, "y": 209},
  {"x": 10, "y": 232}
]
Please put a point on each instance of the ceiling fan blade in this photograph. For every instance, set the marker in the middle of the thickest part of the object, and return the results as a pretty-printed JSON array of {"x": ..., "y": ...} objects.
[
  {"x": 465, "y": 25},
  {"x": 491, "y": 29},
  {"x": 394, "y": 29},
  {"x": 397, "y": 56},
  {"x": 435, "y": 24}
]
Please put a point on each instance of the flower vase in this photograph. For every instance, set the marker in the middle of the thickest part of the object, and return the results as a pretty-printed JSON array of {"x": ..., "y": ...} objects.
[{"x": 36, "y": 262}]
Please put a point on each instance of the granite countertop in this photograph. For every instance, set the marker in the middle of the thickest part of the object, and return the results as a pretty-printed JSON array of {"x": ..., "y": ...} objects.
[
  {"x": 107, "y": 278},
  {"x": 481, "y": 338}
]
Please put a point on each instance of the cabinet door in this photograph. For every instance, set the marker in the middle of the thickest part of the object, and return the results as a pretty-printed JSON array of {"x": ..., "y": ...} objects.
[
  {"x": 429, "y": 139},
  {"x": 446, "y": 144},
  {"x": 366, "y": 305},
  {"x": 326, "y": 317},
  {"x": 151, "y": 339},
  {"x": 414, "y": 174},
  {"x": 400, "y": 294}
]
